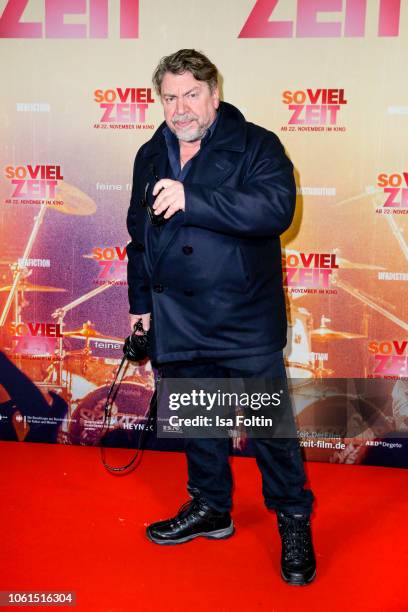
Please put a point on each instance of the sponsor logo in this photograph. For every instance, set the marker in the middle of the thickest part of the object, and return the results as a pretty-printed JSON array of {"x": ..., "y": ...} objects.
[
  {"x": 389, "y": 359},
  {"x": 93, "y": 19},
  {"x": 395, "y": 187},
  {"x": 33, "y": 184},
  {"x": 309, "y": 272},
  {"x": 308, "y": 19},
  {"x": 124, "y": 108},
  {"x": 112, "y": 187},
  {"x": 33, "y": 107},
  {"x": 34, "y": 263},
  {"x": 393, "y": 276},
  {"x": 317, "y": 191},
  {"x": 314, "y": 110}
]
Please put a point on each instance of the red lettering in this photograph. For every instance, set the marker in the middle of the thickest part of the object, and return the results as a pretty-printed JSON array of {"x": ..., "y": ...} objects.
[
  {"x": 54, "y": 19},
  {"x": 19, "y": 188},
  {"x": 121, "y": 253},
  {"x": 393, "y": 191},
  {"x": 11, "y": 26},
  {"x": 389, "y": 18},
  {"x": 98, "y": 18},
  {"x": 258, "y": 24},
  {"x": 306, "y": 259},
  {"x": 400, "y": 348},
  {"x": 34, "y": 328},
  {"x": 307, "y": 24},
  {"x": 129, "y": 18},
  {"x": 354, "y": 24},
  {"x": 123, "y": 95},
  {"x": 106, "y": 117}
]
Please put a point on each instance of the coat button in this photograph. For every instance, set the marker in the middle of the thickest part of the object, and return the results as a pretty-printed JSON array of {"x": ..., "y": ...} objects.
[
  {"x": 158, "y": 288},
  {"x": 139, "y": 247},
  {"x": 187, "y": 249},
  {"x": 189, "y": 292}
]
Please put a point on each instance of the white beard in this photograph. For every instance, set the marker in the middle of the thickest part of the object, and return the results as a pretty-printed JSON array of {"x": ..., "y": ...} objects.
[{"x": 192, "y": 133}]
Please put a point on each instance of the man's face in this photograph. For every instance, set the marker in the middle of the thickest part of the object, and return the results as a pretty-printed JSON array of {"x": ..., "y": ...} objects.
[{"x": 189, "y": 105}]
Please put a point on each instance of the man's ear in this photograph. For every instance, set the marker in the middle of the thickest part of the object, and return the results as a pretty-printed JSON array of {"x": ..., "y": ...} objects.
[{"x": 216, "y": 97}]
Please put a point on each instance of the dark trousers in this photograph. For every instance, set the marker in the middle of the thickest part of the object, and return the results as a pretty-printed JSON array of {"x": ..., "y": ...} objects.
[{"x": 279, "y": 459}]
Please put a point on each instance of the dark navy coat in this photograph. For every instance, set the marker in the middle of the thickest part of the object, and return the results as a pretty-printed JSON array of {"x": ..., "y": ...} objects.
[{"x": 214, "y": 282}]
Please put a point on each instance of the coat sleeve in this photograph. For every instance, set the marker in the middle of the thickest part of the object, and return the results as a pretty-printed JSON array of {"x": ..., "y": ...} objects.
[
  {"x": 138, "y": 281},
  {"x": 263, "y": 205}
]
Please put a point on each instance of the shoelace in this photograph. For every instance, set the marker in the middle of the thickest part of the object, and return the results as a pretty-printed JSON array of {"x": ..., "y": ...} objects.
[
  {"x": 295, "y": 536},
  {"x": 192, "y": 506}
]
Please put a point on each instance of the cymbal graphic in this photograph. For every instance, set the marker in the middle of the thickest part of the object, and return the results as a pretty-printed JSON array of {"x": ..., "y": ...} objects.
[
  {"x": 325, "y": 334},
  {"x": 87, "y": 331},
  {"x": 24, "y": 286},
  {"x": 75, "y": 201}
]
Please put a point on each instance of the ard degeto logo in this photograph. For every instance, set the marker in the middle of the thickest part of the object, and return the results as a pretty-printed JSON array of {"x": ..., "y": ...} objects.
[
  {"x": 395, "y": 186},
  {"x": 314, "y": 110},
  {"x": 124, "y": 108},
  {"x": 309, "y": 272},
  {"x": 33, "y": 184}
]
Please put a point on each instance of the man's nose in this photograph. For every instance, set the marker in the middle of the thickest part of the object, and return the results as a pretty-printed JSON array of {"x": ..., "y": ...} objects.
[{"x": 181, "y": 106}]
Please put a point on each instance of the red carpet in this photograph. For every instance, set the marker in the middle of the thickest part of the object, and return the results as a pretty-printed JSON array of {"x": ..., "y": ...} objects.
[{"x": 69, "y": 525}]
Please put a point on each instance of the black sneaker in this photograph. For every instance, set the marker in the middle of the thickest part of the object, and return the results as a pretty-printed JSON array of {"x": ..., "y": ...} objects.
[
  {"x": 195, "y": 518},
  {"x": 298, "y": 563}
]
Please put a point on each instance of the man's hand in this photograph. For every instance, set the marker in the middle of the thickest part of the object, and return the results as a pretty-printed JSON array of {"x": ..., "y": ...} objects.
[
  {"x": 170, "y": 199},
  {"x": 145, "y": 322}
]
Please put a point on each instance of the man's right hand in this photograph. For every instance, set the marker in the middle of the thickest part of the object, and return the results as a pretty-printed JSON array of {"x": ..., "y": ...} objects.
[{"x": 134, "y": 318}]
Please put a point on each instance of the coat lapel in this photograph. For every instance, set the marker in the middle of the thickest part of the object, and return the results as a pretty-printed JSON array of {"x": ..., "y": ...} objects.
[{"x": 212, "y": 167}]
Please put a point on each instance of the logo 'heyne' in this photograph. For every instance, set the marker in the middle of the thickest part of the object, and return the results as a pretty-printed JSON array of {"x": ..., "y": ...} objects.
[{"x": 124, "y": 107}]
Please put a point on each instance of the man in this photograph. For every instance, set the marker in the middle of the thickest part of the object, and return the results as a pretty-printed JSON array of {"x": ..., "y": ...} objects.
[{"x": 211, "y": 278}]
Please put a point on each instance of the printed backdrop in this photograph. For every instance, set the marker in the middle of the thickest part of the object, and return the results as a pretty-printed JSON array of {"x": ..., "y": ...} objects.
[{"x": 327, "y": 76}]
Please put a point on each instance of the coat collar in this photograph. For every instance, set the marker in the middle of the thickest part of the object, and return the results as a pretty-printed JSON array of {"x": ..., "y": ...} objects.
[{"x": 230, "y": 133}]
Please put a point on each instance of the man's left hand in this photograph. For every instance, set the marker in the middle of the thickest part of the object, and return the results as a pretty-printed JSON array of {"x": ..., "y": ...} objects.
[{"x": 170, "y": 199}]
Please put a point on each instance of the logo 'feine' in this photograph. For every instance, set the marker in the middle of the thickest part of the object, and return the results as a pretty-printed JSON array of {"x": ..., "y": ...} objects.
[
  {"x": 389, "y": 359},
  {"x": 314, "y": 110},
  {"x": 395, "y": 187},
  {"x": 124, "y": 108},
  {"x": 309, "y": 272},
  {"x": 34, "y": 184}
]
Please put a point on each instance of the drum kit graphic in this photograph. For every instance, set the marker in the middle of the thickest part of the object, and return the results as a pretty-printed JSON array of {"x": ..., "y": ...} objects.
[
  {"x": 78, "y": 376},
  {"x": 83, "y": 379}
]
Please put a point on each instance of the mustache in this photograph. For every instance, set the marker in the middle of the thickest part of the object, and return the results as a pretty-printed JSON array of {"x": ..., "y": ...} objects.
[{"x": 184, "y": 117}]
